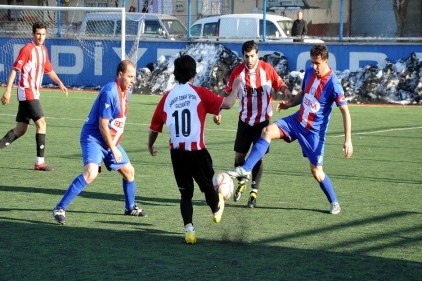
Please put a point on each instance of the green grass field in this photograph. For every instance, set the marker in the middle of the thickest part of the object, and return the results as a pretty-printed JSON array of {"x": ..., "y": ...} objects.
[{"x": 289, "y": 236}]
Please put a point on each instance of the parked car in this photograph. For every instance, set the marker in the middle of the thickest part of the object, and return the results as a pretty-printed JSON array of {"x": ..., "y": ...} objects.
[
  {"x": 236, "y": 27},
  {"x": 146, "y": 25},
  {"x": 205, "y": 27}
]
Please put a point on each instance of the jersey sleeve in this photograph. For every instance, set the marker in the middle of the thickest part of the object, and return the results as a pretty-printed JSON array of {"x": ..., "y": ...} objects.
[
  {"x": 339, "y": 96},
  {"x": 235, "y": 73},
  {"x": 277, "y": 82},
  {"x": 159, "y": 117},
  {"x": 106, "y": 103},
  {"x": 212, "y": 100},
  {"x": 23, "y": 57}
]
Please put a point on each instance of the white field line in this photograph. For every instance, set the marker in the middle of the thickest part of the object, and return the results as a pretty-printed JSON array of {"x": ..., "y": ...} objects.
[
  {"x": 232, "y": 130},
  {"x": 379, "y": 131}
]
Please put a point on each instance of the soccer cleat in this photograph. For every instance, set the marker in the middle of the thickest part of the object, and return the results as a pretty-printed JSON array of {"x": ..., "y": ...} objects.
[
  {"x": 335, "y": 208},
  {"x": 217, "y": 215},
  {"x": 59, "y": 215},
  {"x": 240, "y": 189},
  {"x": 252, "y": 200},
  {"x": 239, "y": 173},
  {"x": 190, "y": 235},
  {"x": 136, "y": 212},
  {"x": 43, "y": 167}
]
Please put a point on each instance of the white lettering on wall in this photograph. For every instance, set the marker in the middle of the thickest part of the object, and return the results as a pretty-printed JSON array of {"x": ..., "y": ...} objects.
[
  {"x": 98, "y": 58},
  {"x": 356, "y": 57},
  {"x": 75, "y": 51}
]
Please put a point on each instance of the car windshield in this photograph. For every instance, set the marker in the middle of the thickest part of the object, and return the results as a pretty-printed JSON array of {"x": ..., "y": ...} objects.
[
  {"x": 286, "y": 26},
  {"x": 131, "y": 27},
  {"x": 174, "y": 27}
]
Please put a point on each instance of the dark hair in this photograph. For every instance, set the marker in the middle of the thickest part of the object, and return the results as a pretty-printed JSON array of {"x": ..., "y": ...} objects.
[
  {"x": 249, "y": 46},
  {"x": 123, "y": 66},
  {"x": 38, "y": 25},
  {"x": 319, "y": 50},
  {"x": 184, "y": 68}
]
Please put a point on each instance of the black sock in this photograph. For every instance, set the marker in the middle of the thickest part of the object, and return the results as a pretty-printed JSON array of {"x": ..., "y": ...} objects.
[
  {"x": 7, "y": 139},
  {"x": 40, "y": 140}
]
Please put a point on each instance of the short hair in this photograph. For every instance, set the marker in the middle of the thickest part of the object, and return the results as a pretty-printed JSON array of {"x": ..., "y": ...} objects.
[
  {"x": 319, "y": 50},
  {"x": 123, "y": 65},
  {"x": 184, "y": 69},
  {"x": 38, "y": 25},
  {"x": 249, "y": 46}
]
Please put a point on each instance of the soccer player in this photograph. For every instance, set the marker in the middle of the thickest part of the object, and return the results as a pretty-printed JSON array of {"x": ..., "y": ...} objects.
[
  {"x": 100, "y": 141},
  {"x": 321, "y": 89},
  {"x": 32, "y": 62},
  {"x": 258, "y": 78},
  {"x": 183, "y": 110}
]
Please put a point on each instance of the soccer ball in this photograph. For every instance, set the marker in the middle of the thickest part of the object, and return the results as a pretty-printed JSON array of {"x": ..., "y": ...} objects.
[{"x": 223, "y": 183}]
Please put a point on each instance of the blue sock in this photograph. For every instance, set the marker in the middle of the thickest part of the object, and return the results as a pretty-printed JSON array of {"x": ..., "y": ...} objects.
[
  {"x": 257, "y": 153},
  {"x": 129, "y": 189},
  {"x": 72, "y": 191},
  {"x": 328, "y": 189}
]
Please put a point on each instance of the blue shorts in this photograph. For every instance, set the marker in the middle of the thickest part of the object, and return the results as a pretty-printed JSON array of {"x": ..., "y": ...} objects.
[
  {"x": 312, "y": 144},
  {"x": 94, "y": 152}
]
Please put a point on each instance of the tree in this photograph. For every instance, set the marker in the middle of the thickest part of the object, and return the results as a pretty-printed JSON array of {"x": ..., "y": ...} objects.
[{"x": 400, "y": 13}]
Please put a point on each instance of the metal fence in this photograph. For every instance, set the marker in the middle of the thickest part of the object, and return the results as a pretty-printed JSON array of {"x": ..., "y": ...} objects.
[{"x": 361, "y": 21}]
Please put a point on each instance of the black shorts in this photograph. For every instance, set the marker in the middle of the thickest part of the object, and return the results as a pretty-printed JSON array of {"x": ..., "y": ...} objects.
[
  {"x": 29, "y": 110},
  {"x": 247, "y": 135},
  {"x": 192, "y": 165}
]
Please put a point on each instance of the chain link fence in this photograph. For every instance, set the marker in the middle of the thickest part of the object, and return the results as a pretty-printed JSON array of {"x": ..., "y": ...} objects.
[{"x": 360, "y": 21}]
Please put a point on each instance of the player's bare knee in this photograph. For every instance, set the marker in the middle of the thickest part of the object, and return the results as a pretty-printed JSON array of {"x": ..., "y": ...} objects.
[
  {"x": 266, "y": 132},
  {"x": 270, "y": 132},
  {"x": 20, "y": 129},
  {"x": 90, "y": 173},
  {"x": 319, "y": 175},
  {"x": 41, "y": 125},
  {"x": 128, "y": 172}
]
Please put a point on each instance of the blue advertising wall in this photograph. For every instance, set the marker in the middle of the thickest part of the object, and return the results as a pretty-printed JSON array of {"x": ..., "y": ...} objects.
[{"x": 76, "y": 67}]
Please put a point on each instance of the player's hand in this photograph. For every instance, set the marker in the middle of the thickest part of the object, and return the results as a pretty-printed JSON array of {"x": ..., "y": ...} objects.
[
  {"x": 5, "y": 98},
  {"x": 117, "y": 155},
  {"x": 282, "y": 105},
  {"x": 64, "y": 90},
  {"x": 217, "y": 119},
  {"x": 348, "y": 149}
]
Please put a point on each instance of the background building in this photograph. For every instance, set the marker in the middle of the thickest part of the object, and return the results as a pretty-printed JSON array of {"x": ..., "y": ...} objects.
[{"x": 359, "y": 17}]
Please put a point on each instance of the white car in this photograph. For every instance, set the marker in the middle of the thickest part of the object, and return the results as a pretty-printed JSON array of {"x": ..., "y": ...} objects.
[
  {"x": 149, "y": 25},
  {"x": 241, "y": 27}
]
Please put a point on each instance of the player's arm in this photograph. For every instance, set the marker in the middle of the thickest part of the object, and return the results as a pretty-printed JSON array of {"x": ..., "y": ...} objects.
[
  {"x": 347, "y": 124},
  {"x": 6, "y": 96},
  {"x": 105, "y": 132},
  {"x": 293, "y": 102},
  {"x": 53, "y": 76},
  {"x": 156, "y": 126},
  {"x": 230, "y": 99},
  {"x": 285, "y": 92},
  {"x": 152, "y": 137}
]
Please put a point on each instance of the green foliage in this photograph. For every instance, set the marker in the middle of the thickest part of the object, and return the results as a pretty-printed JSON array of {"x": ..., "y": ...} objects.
[{"x": 289, "y": 236}]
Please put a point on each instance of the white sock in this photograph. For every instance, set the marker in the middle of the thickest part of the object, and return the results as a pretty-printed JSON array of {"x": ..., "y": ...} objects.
[{"x": 39, "y": 160}]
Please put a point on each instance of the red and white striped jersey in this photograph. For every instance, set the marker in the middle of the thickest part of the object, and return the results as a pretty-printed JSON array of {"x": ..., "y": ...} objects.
[
  {"x": 184, "y": 110},
  {"x": 255, "y": 93},
  {"x": 32, "y": 62}
]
